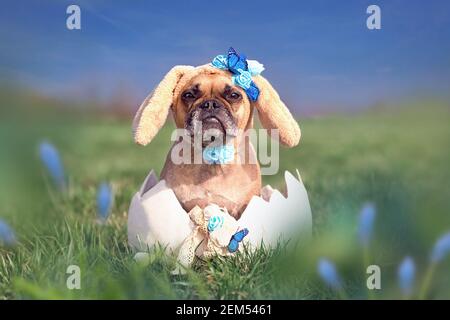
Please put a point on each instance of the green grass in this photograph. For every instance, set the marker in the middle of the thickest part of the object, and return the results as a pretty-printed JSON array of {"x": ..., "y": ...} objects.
[{"x": 396, "y": 157}]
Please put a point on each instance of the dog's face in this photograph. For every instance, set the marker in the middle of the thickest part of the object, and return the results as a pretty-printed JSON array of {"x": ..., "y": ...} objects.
[{"x": 211, "y": 105}]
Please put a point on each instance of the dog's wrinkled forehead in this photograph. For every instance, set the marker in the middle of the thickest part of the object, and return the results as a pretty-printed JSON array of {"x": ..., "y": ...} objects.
[
  {"x": 208, "y": 86},
  {"x": 204, "y": 78}
]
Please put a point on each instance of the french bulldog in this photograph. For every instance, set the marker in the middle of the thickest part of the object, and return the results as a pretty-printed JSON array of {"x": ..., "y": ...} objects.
[{"x": 204, "y": 99}]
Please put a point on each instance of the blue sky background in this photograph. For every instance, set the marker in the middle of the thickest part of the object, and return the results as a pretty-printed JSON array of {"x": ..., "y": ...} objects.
[{"x": 318, "y": 54}]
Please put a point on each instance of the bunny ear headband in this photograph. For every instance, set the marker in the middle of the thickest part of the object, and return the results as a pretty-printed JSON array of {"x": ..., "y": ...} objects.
[
  {"x": 272, "y": 111},
  {"x": 242, "y": 69}
]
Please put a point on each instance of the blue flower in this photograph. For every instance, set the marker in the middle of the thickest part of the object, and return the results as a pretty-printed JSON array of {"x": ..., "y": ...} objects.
[
  {"x": 243, "y": 79},
  {"x": 215, "y": 222},
  {"x": 104, "y": 201},
  {"x": 406, "y": 275},
  {"x": 328, "y": 273},
  {"x": 220, "y": 61},
  {"x": 7, "y": 236},
  {"x": 50, "y": 158},
  {"x": 441, "y": 248},
  {"x": 211, "y": 155},
  {"x": 218, "y": 154},
  {"x": 255, "y": 67},
  {"x": 366, "y": 220}
]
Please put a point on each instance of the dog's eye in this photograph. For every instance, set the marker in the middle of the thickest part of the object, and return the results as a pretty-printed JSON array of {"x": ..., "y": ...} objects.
[
  {"x": 235, "y": 96},
  {"x": 188, "y": 95}
]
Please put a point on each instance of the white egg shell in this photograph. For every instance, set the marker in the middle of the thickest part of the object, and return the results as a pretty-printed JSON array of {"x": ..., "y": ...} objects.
[{"x": 156, "y": 217}]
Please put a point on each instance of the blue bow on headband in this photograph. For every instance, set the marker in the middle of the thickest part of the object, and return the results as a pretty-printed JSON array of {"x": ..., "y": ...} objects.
[{"x": 242, "y": 70}]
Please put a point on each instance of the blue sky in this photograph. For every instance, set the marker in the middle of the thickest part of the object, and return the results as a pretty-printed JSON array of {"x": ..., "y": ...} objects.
[{"x": 318, "y": 54}]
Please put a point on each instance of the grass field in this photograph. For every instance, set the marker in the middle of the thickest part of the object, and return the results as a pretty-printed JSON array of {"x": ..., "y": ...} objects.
[{"x": 394, "y": 156}]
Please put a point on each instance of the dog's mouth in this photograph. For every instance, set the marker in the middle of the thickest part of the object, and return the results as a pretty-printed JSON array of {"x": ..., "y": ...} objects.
[
  {"x": 212, "y": 123},
  {"x": 213, "y": 131},
  {"x": 211, "y": 126}
]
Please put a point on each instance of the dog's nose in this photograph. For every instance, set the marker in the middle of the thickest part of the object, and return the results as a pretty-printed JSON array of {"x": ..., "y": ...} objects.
[{"x": 210, "y": 104}]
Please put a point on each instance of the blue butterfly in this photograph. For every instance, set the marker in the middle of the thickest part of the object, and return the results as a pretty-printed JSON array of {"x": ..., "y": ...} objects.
[
  {"x": 236, "y": 238},
  {"x": 236, "y": 62}
]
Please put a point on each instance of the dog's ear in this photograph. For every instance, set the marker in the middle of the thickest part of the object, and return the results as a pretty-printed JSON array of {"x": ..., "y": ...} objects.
[
  {"x": 154, "y": 110},
  {"x": 274, "y": 114}
]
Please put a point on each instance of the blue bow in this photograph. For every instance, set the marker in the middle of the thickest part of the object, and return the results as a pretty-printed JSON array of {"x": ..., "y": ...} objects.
[{"x": 242, "y": 70}]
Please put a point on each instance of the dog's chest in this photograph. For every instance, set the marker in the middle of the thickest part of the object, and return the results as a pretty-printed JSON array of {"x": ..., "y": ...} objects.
[{"x": 232, "y": 189}]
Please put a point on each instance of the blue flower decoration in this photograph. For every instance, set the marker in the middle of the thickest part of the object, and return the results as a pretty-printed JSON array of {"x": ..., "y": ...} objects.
[
  {"x": 215, "y": 222},
  {"x": 218, "y": 154},
  {"x": 242, "y": 71},
  {"x": 220, "y": 61},
  {"x": 255, "y": 67},
  {"x": 243, "y": 79}
]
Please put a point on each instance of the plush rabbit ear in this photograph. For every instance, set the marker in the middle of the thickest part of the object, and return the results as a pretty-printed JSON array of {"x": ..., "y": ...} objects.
[
  {"x": 154, "y": 110},
  {"x": 274, "y": 114}
]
